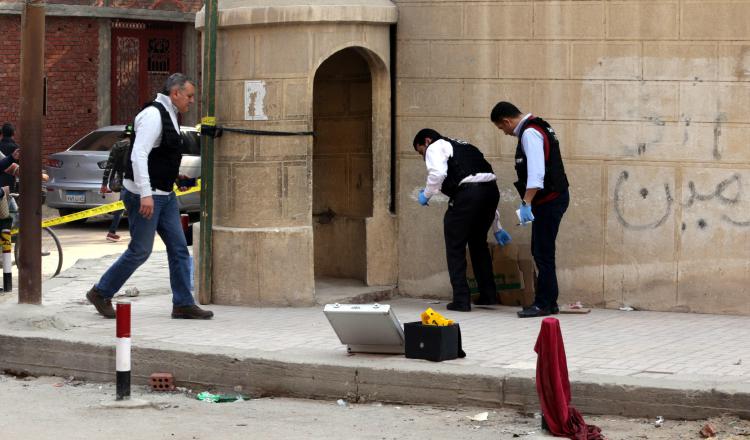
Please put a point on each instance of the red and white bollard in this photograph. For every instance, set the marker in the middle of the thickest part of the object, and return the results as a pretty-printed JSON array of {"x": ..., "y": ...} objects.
[
  {"x": 186, "y": 229},
  {"x": 122, "y": 352},
  {"x": 7, "y": 260}
]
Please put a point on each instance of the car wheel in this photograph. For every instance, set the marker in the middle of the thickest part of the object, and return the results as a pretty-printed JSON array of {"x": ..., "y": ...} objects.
[{"x": 71, "y": 211}]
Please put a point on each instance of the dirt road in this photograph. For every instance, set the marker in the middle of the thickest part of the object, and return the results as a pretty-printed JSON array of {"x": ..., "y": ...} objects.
[{"x": 58, "y": 408}]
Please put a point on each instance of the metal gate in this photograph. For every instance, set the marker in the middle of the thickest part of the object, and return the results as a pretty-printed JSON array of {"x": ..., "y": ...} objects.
[{"x": 144, "y": 54}]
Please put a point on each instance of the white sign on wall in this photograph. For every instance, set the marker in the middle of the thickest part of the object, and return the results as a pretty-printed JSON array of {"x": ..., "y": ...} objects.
[{"x": 255, "y": 94}]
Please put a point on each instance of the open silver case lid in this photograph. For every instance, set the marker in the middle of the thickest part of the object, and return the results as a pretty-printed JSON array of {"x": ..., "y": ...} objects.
[{"x": 366, "y": 328}]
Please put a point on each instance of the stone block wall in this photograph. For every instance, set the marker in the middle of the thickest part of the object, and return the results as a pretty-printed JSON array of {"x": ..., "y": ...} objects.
[{"x": 651, "y": 100}]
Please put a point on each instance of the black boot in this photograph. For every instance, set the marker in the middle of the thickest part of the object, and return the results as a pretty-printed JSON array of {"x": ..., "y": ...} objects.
[
  {"x": 191, "y": 312},
  {"x": 103, "y": 305},
  {"x": 533, "y": 312},
  {"x": 458, "y": 307}
]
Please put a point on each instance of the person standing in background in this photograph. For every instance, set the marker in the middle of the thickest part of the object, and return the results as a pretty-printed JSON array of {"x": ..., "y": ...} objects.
[
  {"x": 7, "y": 144},
  {"x": 113, "y": 176}
]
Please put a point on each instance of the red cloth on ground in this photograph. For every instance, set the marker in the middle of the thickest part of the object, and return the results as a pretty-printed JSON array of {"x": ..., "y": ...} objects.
[{"x": 553, "y": 387}]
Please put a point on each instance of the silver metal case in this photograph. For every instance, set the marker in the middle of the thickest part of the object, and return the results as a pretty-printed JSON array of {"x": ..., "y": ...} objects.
[{"x": 366, "y": 328}]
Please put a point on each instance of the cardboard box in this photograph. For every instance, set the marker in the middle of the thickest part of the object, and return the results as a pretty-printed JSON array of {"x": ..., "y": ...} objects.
[
  {"x": 514, "y": 273},
  {"x": 505, "y": 268},
  {"x": 523, "y": 296},
  {"x": 470, "y": 278},
  {"x": 432, "y": 342}
]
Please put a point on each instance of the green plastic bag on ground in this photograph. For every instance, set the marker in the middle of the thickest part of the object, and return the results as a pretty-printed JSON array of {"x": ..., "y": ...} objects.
[{"x": 220, "y": 398}]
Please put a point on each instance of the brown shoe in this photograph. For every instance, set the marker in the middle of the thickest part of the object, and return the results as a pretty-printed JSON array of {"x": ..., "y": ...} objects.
[
  {"x": 191, "y": 312},
  {"x": 103, "y": 305}
]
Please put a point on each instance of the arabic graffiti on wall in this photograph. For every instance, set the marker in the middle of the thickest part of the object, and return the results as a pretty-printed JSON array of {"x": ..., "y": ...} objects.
[{"x": 727, "y": 194}]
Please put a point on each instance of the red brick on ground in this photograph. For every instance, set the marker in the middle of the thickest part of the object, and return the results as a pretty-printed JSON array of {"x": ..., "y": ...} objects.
[{"x": 162, "y": 382}]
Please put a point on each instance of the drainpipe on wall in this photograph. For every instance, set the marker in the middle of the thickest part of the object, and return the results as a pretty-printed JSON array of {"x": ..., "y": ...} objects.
[
  {"x": 392, "y": 34},
  {"x": 208, "y": 99}
]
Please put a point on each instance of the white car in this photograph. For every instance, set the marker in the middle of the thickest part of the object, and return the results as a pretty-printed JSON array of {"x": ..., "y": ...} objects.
[{"x": 75, "y": 175}]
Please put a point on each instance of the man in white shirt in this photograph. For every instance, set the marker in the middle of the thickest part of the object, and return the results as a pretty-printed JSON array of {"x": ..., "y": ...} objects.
[
  {"x": 459, "y": 170},
  {"x": 543, "y": 187},
  {"x": 152, "y": 170}
]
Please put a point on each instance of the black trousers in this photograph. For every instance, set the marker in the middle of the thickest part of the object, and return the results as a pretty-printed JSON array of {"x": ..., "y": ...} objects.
[
  {"x": 470, "y": 214},
  {"x": 547, "y": 218}
]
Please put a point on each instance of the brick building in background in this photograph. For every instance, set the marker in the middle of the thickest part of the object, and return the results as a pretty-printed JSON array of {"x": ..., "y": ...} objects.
[{"x": 103, "y": 60}]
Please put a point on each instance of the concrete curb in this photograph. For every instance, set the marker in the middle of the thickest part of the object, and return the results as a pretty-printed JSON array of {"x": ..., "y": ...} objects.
[{"x": 593, "y": 394}]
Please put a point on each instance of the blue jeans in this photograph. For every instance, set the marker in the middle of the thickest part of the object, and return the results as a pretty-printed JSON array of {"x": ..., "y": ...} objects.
[
  {"x": 166, "y": 221},
  {"x": 116, "y": 216}
]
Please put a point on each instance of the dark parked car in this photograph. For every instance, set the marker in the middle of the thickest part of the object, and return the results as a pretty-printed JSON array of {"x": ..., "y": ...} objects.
[{"x": 75, "y": 175}]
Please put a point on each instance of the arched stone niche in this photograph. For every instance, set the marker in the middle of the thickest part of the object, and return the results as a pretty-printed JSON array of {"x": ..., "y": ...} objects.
[{"x": 288, "y": 208}]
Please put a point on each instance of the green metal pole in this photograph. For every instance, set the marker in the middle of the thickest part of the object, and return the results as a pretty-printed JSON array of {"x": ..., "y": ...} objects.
[{"x": 205, "y": 292}]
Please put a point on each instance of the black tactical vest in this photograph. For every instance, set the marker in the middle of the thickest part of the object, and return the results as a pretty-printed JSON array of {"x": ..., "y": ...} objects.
[
  {"x": 466, "y": 160},
  {"x": 164, "y": 160},
  {"x": 555, "y": 180}
]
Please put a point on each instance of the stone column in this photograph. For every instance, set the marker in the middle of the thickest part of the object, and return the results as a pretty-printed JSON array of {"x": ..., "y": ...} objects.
[{"x": 267, "y": 58}]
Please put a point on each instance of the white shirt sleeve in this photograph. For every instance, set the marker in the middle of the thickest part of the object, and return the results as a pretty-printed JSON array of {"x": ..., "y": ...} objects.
[
  {"x": 533, "y": 146},
  {"x": 148, "y": 134},
  {"x": 496, "y": 225},
  {"x": 436, "y": 159}
]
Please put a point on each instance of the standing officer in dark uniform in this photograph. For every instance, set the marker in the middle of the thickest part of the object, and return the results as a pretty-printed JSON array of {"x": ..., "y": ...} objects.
[
  {"x": 543, "y": 187},
  {"x": 459, "y": 170}
]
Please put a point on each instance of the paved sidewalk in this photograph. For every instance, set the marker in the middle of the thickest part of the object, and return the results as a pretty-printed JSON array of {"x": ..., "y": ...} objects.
[{"x": 632, "y": 363}]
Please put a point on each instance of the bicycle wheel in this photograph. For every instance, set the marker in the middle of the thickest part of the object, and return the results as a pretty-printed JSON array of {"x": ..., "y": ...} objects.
[{"x": 52, "y": 258}]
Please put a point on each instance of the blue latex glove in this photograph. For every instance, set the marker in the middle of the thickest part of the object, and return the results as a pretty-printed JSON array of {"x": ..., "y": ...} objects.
[
  {"x": 502, "y": 237},
  {"x": 422, "y": 199},
  {"x": 525, "y": 214}
]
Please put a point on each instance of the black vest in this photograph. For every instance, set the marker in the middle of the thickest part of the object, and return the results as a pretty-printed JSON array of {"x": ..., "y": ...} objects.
[
  {"x": 466, "y": 160},
  {"x": 163, "y": 161},
  {"x": 555, "y": 180}
]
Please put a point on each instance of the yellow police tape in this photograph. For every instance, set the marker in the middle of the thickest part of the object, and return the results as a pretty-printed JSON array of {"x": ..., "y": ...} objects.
[
  {"x": 5, "y": 241},
  {"x": 104, "y": 209}
]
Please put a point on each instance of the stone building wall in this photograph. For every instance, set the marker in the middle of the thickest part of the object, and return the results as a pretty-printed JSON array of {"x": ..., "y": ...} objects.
[
  {"x": 651, "y": 102},
  {"x": 272, "y": 231}
]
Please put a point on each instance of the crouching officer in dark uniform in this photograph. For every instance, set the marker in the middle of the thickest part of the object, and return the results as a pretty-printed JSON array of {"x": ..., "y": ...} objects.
[
  {"x": 459, "y": 170},
  {"x": 543, "y": 187}
]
